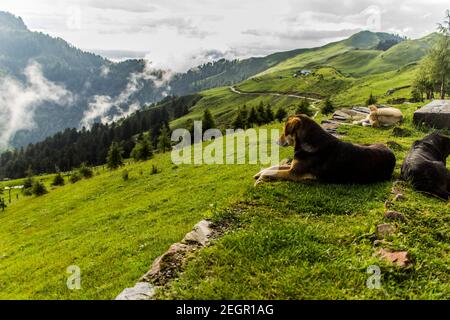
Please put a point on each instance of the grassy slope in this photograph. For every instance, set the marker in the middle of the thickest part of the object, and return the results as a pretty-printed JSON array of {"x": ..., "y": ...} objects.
[
  {"x": 299, "y": 247},
  {"x": 110, "y": 228},
  {"x": 314, "y": 241}
]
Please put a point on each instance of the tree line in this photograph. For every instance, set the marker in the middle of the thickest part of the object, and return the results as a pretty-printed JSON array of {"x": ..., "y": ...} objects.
[
  {"x": 71, "y": 148},
  {"x": 433, "y": 75}
]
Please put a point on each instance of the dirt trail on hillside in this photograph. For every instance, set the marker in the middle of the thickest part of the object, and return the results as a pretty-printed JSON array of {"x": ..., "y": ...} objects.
[
  {"x": 277, "y": 94},
  {"x": 237, "y": 91}
]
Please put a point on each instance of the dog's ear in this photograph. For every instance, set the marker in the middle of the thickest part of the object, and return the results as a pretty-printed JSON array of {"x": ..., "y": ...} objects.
[
  {"x": 292, "y": 125},
  {"x": 373, "y": 108}
]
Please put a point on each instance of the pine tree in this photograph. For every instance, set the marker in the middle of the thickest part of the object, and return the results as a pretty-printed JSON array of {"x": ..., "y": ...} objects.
[
  {"x": 142, "y": 151},
  {"x": 269, "y": 114},
  {"x": 28, "y": 183},
  {"x": 114, "y": 159},
  {"x": 304, "y": 108},
  {"x": 261, "y": 114},
  {"x": 238, "y": 122},
  {"x": 208, "y": 120},
  {"x": 164, "y": 143},
  {"x": 372, "y": 100},
  {"x": 58, "y": 180},
  {"x": 252, "y": 117},
  {"x": 280, "y": 114},
  {"x": 327, "y": 107}
]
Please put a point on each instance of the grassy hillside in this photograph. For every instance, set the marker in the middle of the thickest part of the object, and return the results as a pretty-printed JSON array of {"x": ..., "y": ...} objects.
[
  {"x": 316, "y": 241},
  {"x": 286, "y": 240},
  {"x": 112, "y": 229}
]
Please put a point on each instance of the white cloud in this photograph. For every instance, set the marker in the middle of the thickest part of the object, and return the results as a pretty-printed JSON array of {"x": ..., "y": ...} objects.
[
  {"x": 178, "y": 33},
  {"x": 107, "y": 109},
  {"x": 19, "y": 102}
]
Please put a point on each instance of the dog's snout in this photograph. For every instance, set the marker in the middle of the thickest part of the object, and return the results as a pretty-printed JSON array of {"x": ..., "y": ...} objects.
[{"x": 283, "y": 141}]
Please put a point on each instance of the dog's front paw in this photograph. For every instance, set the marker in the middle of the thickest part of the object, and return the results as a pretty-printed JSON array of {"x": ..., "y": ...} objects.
[
  {"x": 259, "y": 181},
  {"x": 258, "y": 175}
]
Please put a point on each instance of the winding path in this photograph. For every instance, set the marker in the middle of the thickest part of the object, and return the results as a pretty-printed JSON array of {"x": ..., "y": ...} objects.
[
  {"x": 237, "y": 91},
  {"x": 277, "y": 94}
]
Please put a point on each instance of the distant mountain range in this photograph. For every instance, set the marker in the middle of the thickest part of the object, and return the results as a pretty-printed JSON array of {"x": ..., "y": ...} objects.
[{"x": 101, "y": 89}]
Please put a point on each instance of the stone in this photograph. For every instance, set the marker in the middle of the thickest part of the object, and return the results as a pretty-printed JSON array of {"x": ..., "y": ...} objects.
[
  {"x": 399, "y": 197},
  {"x": 141, "y": 291},
  {"x": 380, "y": 242},
  {"x": 401, "y": 132},
  {"x": 385, "y": 230},
  {"x": 435, "y": 114},
  {"x": 166, "y": 265},
  {"x": 394, "y": 146},
  {"x": 398, "y": 258},
  {"x": 363, "y": 110},
  {"x": 394, "y": 215},
  {"x": 200, "y": 234}
]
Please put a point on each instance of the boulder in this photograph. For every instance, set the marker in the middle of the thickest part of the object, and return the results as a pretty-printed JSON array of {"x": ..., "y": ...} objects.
[
  {"x": 141, "y": 291},
  {"x": 200, "y": 234},
  {"x": 394, "y": 215},
  {"x": 435, "y": 114},
  {"x": 398, "y": 258},
  {"x": 385, "y": 230},
  {"x": 165, "y": 266}
]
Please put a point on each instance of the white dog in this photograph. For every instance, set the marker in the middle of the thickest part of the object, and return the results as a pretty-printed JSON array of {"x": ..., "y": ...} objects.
[{"x": 383, "y": 117}]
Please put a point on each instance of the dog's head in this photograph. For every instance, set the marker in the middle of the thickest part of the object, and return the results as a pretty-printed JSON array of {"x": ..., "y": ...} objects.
[
  {"x": 440, "y": 141},
  {"x": 291, "y": 129}
]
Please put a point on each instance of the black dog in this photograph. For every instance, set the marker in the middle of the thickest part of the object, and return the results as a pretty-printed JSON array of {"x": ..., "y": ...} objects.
[
  {"x": 425, "y": 165},
  {"x": 320, "y": 156}
]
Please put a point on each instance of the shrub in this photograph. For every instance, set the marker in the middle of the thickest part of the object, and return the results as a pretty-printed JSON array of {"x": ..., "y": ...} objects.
[
  {"x": 327, "y": 107},
  {"x": 280, "y": 114},
  {"x": 125, "y": 175},
  {"x": 304, "y": 108},
  {"x": 38, "y": 189},
  {"x": 85, "y": 171},
  {"x": 154, "y": 169},
  {"x": 58, "y": 180},
  {"x": 114, "y": 158},
  {"x": 75, "y": 177},
  {"x": 372, "y": 100},
  {"x": 142, "y": 151},
  {"x": 28, "y": 183}
]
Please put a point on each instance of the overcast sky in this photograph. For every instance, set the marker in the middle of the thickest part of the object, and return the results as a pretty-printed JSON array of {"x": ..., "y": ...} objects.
[{"x": 177, "y": 33}]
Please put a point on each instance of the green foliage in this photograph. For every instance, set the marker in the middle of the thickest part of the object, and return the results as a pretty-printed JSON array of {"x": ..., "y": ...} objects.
[
  {"x": 75, "y": 177},
  {"x": 327, "y": 107},
  {"x": 281, "y": 114},
  {"x": 372, "y": 100},
  {"x": 208, "y": 121},
  {"x": 142, "y": 151},
  {"x": 239, "y": 122},
  {"x": 114, "y": 159},
  {"x": 269, "y": 114},
  {"x": 304, "y": 108},
  {"x": 154, "y": 170},
  {"x": 164, "y": 142},
  {"x": 253, "y": 117},
  {"x": 38, "y": 188},
  {"x": 58, "y": 180},
  {"x": 125, "y": 175},
  {"x": 85, "y": 171}
]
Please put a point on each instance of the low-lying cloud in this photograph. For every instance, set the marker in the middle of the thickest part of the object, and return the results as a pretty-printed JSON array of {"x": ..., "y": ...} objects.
[
  {"x": 19, "y": 102},
  {"x": 108, "y": 109}
]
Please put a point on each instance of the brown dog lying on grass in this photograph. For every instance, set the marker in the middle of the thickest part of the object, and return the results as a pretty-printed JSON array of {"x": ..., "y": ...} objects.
[
  {"x": 319, "y": 155},
  {"x": 425, "y": 166}
]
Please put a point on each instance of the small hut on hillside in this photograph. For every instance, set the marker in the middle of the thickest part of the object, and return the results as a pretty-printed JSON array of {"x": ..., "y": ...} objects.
[{"x": 435, "y": 114}]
